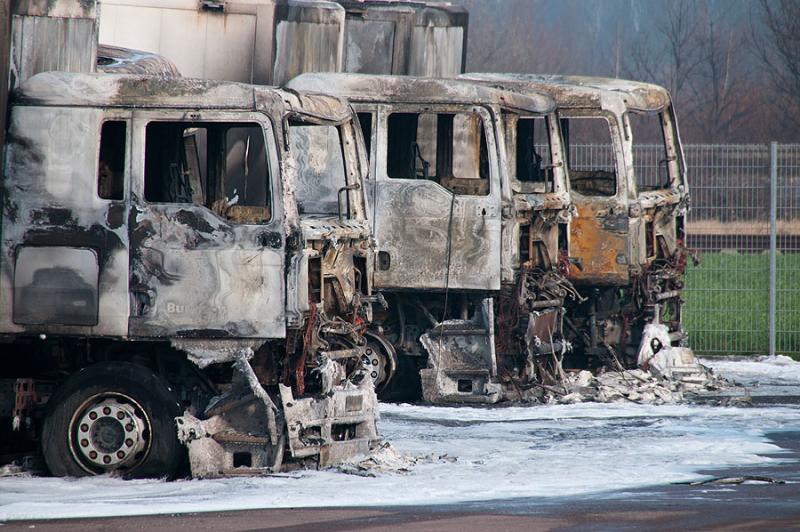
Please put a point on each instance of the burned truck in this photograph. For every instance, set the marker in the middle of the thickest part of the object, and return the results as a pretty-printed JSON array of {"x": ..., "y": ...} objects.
[
  {"x": 186, "y": 264},
  {"x": 627, "y": 240},
  {"x": 471, "y": 245}
]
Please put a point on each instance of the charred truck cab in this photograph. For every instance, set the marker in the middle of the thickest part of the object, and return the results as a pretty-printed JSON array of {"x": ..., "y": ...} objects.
[
  {"x": 627, "y": 241},
  {"x": 468, "y": 249},
  {"x": 184, "y": 261}
]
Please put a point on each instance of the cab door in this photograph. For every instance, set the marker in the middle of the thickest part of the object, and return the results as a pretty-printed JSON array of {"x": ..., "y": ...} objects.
[
  {"x": 206, "y": 239},
  {"x": 600, "y": 233},
  {"x": 436, "y": 199}
]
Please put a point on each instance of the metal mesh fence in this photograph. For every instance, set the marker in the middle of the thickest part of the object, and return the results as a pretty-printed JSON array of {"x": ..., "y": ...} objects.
[
  {"x": 787, "y": 282},
  {"x": 728, "y": 294}
]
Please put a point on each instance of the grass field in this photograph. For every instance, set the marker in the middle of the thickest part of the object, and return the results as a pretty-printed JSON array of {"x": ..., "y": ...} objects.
[{"x": 727, "y": 304}]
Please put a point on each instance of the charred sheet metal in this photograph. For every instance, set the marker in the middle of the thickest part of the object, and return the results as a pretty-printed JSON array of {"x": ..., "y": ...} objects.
[
  {"x": 5, "y": 61},
  {"x": 397, "y": 90},
  {"x": 117, "y": 60},
  {"x": 59, "y": 209},
  {"x": 462, "y": 365},
  {"x": 240, "y": 433},
  {"x": 52, "y": 35},
  {"x": 599, "y": 244},
  {"x": 587, "y": 92},
  {"x": 334, "y": 427},
  {"x": 405, "y": 38},
  {"x": 247, "y": 41},
  {"x": 151, "y": 92}
]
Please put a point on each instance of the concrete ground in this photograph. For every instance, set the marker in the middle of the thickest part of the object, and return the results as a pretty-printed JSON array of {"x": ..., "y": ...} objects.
[{"x": 711, "y": 506}]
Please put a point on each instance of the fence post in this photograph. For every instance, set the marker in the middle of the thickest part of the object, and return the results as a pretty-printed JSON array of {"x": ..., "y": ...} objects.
[{"x": 773, "y": 241}]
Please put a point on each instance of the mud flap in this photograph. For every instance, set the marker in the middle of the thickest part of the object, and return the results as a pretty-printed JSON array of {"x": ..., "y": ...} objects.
[
  {"x": 337, "y": 426},
  {"x": 462, "y": 365}
]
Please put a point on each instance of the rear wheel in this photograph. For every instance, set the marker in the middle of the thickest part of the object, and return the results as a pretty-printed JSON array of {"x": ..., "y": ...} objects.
[
  {"x": 112, "y": 417},
  {"x": 381, "y": 361}
]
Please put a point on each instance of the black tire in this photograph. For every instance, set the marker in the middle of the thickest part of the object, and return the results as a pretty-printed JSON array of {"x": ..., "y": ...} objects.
[
  {"x": 406, "y": 385},
  {"x": 143, "y": 403}
]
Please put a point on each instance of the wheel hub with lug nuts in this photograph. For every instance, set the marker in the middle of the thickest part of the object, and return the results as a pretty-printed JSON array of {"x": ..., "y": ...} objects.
[
  {"x": 110, "y": 433},
  {"x": 375, "y": 366}
]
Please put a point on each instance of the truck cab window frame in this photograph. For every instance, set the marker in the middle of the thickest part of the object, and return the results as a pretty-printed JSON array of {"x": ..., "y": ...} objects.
[
  {"x": 222, "y": 165},
  {"x": 652, "y": 161},
  {"x": 112, "y": 159},
  {"x": 591, "y": 154},
  {"x": 531, "y": 153},
  {"x": 448, "y": 147}
]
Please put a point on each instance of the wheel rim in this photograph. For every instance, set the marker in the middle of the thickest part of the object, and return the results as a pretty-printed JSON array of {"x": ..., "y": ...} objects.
[
  {"x": 109, "y": 431},
  {"x": 380, "y": 361},
  {"x": 376, "y": 365}
]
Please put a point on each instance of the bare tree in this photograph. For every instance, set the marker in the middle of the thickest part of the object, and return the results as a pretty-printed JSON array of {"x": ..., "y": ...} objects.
[
  {"x": 679, "y": 26},
  {"x": 776, "y": 39},
  {"x": 721, "y": 86},
  {"x": 669, "y": 55}
]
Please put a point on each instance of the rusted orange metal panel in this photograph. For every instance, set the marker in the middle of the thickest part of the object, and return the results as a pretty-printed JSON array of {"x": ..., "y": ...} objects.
[{"x": 599, "y": 239}]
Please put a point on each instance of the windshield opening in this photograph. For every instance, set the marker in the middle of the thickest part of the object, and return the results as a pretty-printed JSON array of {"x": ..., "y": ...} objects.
[
  {"x": 533, "y": 155},
  {"x": 321, "y": 175},
  {"x": 650, "y": 156}
]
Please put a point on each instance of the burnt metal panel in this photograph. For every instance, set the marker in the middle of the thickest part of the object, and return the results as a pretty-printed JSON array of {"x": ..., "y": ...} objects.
[
  {"x": 430, "y": 238},
  {"x": 51, "y": 200},
  {"x": 405, "y": 38},
  {"x": 56, "y": 285},
  {"x": 410, "y": 89},
  {"x": 308, "y": 37},
  {"x": 56, "y": 8},
  {"x": 599, "y": 241},
  {"x": 5, "y": 60},
  {"x": 195, "y": 274},
  {"x": 48, "y": 35},
  {"x": 585, "y": 91},
  {"x": 116, "y": 60},
  {"x": 254, "y": 41}
]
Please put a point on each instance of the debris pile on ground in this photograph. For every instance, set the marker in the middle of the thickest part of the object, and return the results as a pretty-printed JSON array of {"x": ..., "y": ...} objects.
[
  {"x": 386, "y": 459},
  {"x": 13, "y": 470},
  {"x": 25, "y": 466},
  {"x": 665, "y": 374},
  {"x": 634, "y": 385}
]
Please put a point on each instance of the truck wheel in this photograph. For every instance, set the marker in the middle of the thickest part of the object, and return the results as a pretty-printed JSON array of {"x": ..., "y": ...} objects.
[
  {"x": 381, "y": 359},
  {"x": 406, "y": 384},
  {"x": 112, "y": 416}
]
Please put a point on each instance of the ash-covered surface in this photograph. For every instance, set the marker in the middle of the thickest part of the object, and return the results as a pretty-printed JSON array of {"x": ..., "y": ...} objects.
[{"x": 466, "y": 455}]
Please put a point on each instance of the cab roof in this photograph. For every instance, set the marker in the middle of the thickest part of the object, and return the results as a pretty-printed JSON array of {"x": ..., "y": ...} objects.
[
  {"x": 410, "y": 89},
  {"x": 583, "y": 91},
  {"x": 66, "y": 89}
]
